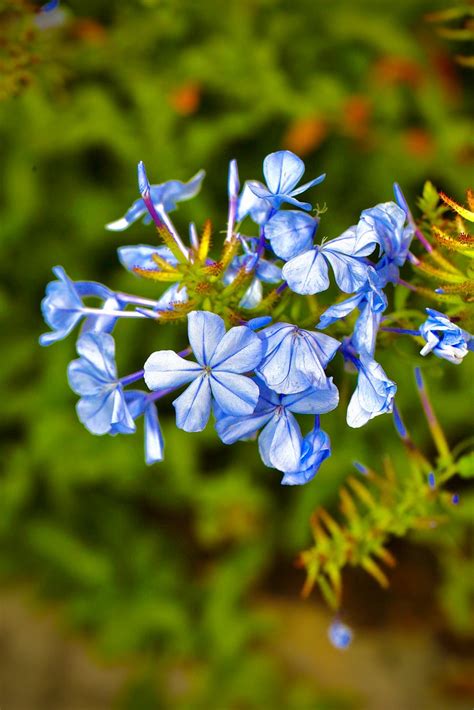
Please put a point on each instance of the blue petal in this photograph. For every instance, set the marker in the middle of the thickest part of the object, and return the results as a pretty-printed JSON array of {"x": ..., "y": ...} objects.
[
  {"x": 268, "y": 272},
  {"x": 137, "y": 210},
  {"x": 240, "y": 350},
  {"x": 315, "y": 449},
  {"x": 234, "y": 394},
  {"x": 98, "y": 349},
  {"x": 252, "y": 296},
  {"x": 141, "y": 256},
  {"x": 280, "y": 442},
  {"x": 205, "y": 331},
  {"x": 249, "y": 204},
  {"x": 307, "y": 273},
  {"x": 366, "y": 328},
  {"x": 193, "y": 407},
  {"x": 308, "y": 185},
  {"x": 340, "y": 310},
  {"x": 373, "y": 395},
  {"x": 173, "y": 191},
  {"x": 177, "y": 293},
  {"x": 61, "y": 307},
  {"x": 165, "y": 368},
  {"x": 314, "y": 400},
  {"x": 106, "y": 413},
  {"x": 291, "y": 233},
  {"x": 282, "y": 170},
  {"x": 350, "y": 273},
  {"x": 154, "y": 444}
]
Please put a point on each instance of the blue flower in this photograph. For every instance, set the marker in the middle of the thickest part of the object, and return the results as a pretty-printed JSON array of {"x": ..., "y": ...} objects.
[
  {"x": 102, "y": 407},
  {"x": 140, "y": 404},
  {"x": 340, "y": 635},
  {"x": 291, "y": 233},
  {"x": 307, "y": 273},
  {"x": 258, "y": 209},
  {"x": 62, "y": 307},
  {"x": 315, "y": 449},
  {"x": 222, "y": 358},
  {"x": 280, "y": 440},
  {"x": 374, "y": 392},
  {"x": 444, "y": 338},
  {"x": 295, "y": 359},
  {"x": 385, "y": 224},
  {"x": 283, "y": 170},
  {"x": 165, "y": 195}
]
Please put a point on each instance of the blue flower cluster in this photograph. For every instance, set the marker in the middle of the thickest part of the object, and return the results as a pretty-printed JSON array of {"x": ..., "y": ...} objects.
[{"x": 257, "y": 375}]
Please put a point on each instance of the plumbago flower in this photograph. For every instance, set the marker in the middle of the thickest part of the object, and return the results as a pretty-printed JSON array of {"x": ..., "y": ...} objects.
[
  {"x": 222, "y": 358},
  {"x": 250, "y": 308},
  {"x": 444, "y": 338},
  {"x": 280, "y": 441}
]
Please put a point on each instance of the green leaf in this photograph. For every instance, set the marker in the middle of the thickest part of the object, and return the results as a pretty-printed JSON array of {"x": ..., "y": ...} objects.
[{"x": 466, "y": 465}]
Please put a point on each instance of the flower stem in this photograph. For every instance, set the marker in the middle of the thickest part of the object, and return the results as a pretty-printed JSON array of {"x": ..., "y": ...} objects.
[{"x": 436, "y": 431}]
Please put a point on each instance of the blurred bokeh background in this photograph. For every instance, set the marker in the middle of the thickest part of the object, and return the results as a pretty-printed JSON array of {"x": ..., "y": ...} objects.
[{"x": 174, "y": 586}]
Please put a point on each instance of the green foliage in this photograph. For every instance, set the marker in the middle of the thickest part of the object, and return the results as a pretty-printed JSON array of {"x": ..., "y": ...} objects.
[{"x": 392, "y": 504}]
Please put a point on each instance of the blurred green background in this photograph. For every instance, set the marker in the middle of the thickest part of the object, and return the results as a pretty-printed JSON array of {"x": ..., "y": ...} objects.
[{"x": 173, "y": 586}]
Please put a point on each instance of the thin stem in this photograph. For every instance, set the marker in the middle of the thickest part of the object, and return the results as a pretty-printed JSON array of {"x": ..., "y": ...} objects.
[
  {"x": 410, "y": 286},
  {"x": 116, "y": 314},
  {"x": 433, "y": 423},
  {"x": 401, "y": 331},
  {"x": 130, "y": 298},
  {"x": 134, "y": 377}
]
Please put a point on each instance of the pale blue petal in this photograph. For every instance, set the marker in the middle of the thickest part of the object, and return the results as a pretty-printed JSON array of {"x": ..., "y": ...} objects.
[
  {"x": 154, "y": 444},
  {"x": 366, "y": 328},
  {"x": 61, "y": 307},
  {"x": 141, "y": 256},
  {"x": 234, "y": 394},
  {"x": 315, "y": 449},
  {"x": 231, "y": 429},
  {"x": 193, "y": 407},
  {"x": 349, "y": 272},
  {"x": 282, "y": 170},
  {"x": 277, "y": 367},
  {"x": 353, "y": 243},
  {"x": 165, "y": 368},
  {"x": 137, "y": 210},
  {"x": 280, "y": 443},
  {"x": 177, "y": 293},
  {"x": 339, "y": 310},
  {"x": 249, "y": 204},
  {"x": 100, "y": 415},
  {"x": 173, "y": 191},
  {"x": 240, "y": 350},
  {"x": 373, "y": 395},
  {"x": 308, "y": 185},
  {"x": 313, "y": 400},
  {"x": 268, "y": 272},
  {"x": 252, "y": 296},
  {"x": 99, "y": 350},
  {"x": 205, "y": 331},
  {"x": 291, "y": 233},
  {"x": 307, "y": 273}
]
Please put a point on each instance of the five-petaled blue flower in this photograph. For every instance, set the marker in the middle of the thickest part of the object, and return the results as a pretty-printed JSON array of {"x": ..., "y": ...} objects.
[
  {"x": 295, "y": 359},
  {"x": 283, "y": 170},
  {"x": 374, "y": 392},
  {"x": 164, "y": 196},
  {"x": 280, "y": 440},
  {"x": 102, "y": 408},
  {"x": 444, "y": 338},
  {"x": 222, "y": 358}
]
